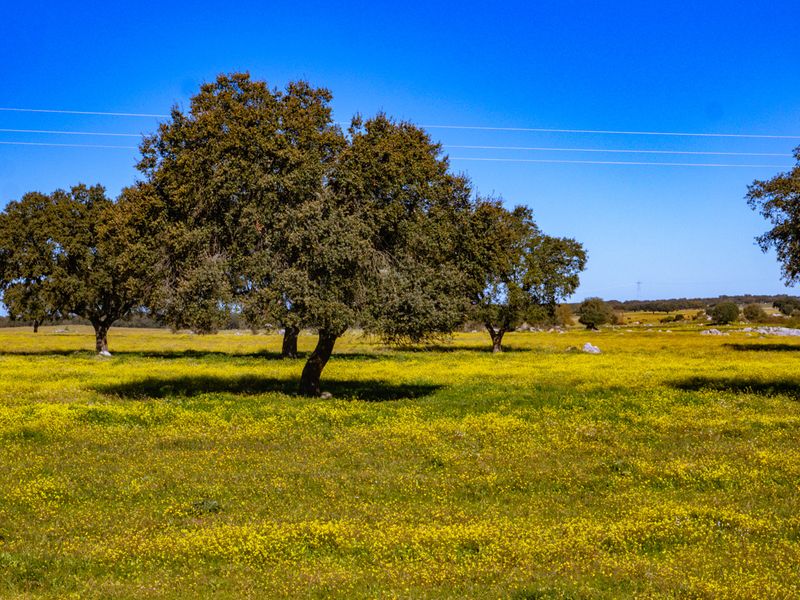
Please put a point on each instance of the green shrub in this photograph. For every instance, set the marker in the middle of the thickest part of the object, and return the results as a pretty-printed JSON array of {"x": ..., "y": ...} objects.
[
  {"x": 754, "y": 313},
  {"x": 594, "y": 312},
  {"x": 725, "y": 312}
]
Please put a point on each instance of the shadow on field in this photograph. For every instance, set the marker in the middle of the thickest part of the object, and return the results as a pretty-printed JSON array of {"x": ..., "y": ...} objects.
[
  {"x": 740, "y": 385},
  {"x": 764, "y": 347},
  {"x": 161, "y": 387},
  {"x": 487, "y": 349},
  {"x": 47, "y": 353},
  {"x": 177, "y": 354}
]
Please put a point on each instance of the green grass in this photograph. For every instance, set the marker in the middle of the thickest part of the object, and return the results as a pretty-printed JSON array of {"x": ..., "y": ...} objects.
[{"x": 185, "y": 466}]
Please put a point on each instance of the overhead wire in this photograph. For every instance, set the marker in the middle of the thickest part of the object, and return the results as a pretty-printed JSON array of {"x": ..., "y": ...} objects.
[
  {"x": 438, "y": 126},
  {"x": 613, "y": 162},
  {"x": 459, "y": 146},
  {"x": 67, "y": 145},
  {"x": 615, "y": 150},
  {"x": 61, "y": 132}
]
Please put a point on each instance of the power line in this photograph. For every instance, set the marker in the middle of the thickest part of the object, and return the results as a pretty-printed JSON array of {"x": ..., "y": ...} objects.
[
  {"x": 67, "y": 145},
  {"x": 523, "y": 160},
  {"x": 82, "y": 112},
  {"x": 549, "y": 149},
  {"x": 612, "y": 162},
  {"x": 470, "y": 127},
  {"x": 136, "y": 135},
  {"x": 472, "y": 147},
  {"x": 612, "y": 132}
]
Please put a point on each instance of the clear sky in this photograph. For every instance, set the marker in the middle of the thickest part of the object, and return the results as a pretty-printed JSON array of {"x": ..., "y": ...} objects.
[{"x": 668, "y": 66}]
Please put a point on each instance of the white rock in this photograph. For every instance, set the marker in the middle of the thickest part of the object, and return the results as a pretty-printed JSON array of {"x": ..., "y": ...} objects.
[
  {"x": 105, "y": 353},
  {"x": 781, "y": 331},
  {"x": 590, "y": 348},
  {"x": 712, "y": 332},
  {"x": 326, "y": 395}
]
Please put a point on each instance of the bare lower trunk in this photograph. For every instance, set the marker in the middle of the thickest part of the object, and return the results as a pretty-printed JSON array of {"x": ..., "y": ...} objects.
[
  {"x": 35, "y": 326},
  {"x": 497, "y": 337},
  {"x": 101, "y": 339},
  {"x": 289, "y": 349},
  {"x": 309, "y": 380}
]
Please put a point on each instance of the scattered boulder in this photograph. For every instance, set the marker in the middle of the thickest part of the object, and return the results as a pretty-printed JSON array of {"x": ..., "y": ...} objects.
[
  {"x": 712, "y": 332},
  {"x": 781, "y": 331},
  {"x": 589, "y": 348},
  {"x": 326, "y": 395}
]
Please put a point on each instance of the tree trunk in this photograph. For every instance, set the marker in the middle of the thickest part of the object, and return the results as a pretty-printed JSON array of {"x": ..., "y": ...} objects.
[
  {"x": 289, "y": 349},
  {"x": 309, "y": 380},
  {"x": 497, "y": 337},
  {"x": 35, "y": 326},
  {"x": 101, "y": 339}
]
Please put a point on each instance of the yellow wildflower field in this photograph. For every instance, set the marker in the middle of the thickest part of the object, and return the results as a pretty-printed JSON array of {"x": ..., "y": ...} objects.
[{"x": 185, "y": 466}]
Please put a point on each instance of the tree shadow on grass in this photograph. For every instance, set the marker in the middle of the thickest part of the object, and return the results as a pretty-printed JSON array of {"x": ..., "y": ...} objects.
[
  {"x": 178, "y": 354},
  {"x": 79, "y": 352},
  {"x": 764, "y": 347},
  {"x": 486, "y": 349},
  {"x": 188, "y": 386},
  {"x": 740, "y": 385}
]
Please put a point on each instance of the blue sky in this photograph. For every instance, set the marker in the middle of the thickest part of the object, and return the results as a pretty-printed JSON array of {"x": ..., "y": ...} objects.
[{"x": 635, "y": 66}]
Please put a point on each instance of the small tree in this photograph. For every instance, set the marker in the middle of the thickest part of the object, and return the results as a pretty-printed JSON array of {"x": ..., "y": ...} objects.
[
  {"x": 564, "y": 316},
  {"x": 518, "y": 272},
  {"x": 594, "y": 312},
  {"x": 754, "y": 313},
  {"x": 100, "y": 273},
  {"x": 72, "y": 253},
  {"x": 725, "y": 312},
  {"x": 27, "y": 257},
  {"x": 787, "y": 304}
]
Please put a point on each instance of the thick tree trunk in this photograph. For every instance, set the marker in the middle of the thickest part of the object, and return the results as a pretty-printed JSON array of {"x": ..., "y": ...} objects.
[
  {"x": 309, "y": 380},
  {"x": 497, "y": 337},
  {"x": 101, "y": 339},
  {"x": 35, "y": 326},
  {"x": 289, "y": 349}
]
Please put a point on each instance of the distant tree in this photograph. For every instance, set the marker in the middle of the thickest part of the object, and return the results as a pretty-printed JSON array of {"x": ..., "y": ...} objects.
[
  {"x": 594, "y": 312},
  {"x": 27, "y": 257},
  {"x": 724, "y": 313},
  {"x": 100, "y": 273},
  {"x": 564, "y": 316},
  {"x": 787, "y": 304},
  {"x": 519, "y": 273},
  {"x": 754, "y": 313},
  {"x": 777, "y": 201},
  {"x": 71, "y": 253}
]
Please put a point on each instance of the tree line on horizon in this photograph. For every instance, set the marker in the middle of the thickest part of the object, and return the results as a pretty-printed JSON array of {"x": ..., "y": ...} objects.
[{"x": 255, "y": 202}]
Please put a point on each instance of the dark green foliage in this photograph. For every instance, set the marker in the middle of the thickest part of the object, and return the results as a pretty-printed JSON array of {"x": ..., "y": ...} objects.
[
  {"x": 71, "y": 253},
  {"x": 232, "y": 181},
  {"x": 787, "y": 304},
  {"x": 724, "y": 312},
  {"x": 27, "y": 258},
  {"x": 518, "y": 273},
  {"x": 594, "y": 312},
  {"x": 777, "y": 201},
  {"x": 265, "y": 205},
  {"x": 754, "y": 313}
]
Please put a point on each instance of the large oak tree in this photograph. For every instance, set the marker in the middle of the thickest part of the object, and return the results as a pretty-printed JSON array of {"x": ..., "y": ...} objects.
[{"x": 268, "y": 206}]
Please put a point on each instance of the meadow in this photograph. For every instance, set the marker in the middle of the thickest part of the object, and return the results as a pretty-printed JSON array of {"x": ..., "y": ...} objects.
[{"x": 185, "y": 466}]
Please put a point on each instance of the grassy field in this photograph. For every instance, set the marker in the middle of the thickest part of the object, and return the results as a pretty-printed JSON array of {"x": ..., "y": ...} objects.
[{"x": 668, "y": 466}]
